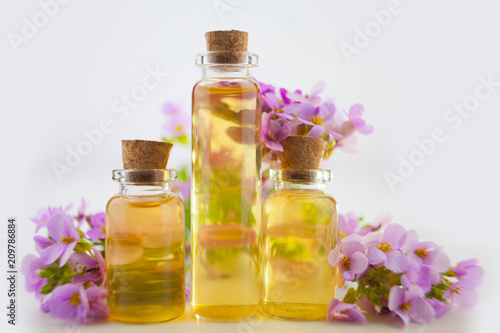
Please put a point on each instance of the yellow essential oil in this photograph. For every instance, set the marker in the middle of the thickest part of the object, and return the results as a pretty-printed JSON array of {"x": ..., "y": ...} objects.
[
  {"x": 299, "y": 229},
  {"x": 145, "y": 253},
  {"x": 226, "y": 194}
]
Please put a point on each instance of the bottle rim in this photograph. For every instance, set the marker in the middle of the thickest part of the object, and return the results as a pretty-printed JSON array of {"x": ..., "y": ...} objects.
[
  {"x": 145, "y": 176},
  {"x": 212, "y": 58},
  {"x": 301, "y": 175}
]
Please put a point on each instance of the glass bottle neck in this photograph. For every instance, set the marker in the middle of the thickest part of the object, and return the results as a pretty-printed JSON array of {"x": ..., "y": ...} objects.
[
  {"x": 299, "y": 186},
  {"x": 144, "y": 189},
  {"x": 226, "y": 71}
]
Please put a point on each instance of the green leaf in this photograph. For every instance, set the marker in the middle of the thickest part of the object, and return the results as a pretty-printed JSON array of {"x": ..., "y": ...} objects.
[
  {"x": 350, "y": 296},
  {"x": 182, "y": 175},
  {"x": 45, "y": 273},
  {"x": 179, "y": 139},
  {"x": 47, "y": 289},
  {"x": 83, "y": 246},
  {"x": 394, "y": 279}
]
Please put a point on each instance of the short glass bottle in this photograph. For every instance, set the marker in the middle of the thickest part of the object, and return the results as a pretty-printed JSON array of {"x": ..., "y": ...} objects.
[
  {"x": 299, "y": 229},
  {"x": 145, "y": 248}
]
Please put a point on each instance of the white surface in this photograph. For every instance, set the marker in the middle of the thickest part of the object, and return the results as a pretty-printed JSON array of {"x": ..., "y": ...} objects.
[{"x": 67, "y": 77}]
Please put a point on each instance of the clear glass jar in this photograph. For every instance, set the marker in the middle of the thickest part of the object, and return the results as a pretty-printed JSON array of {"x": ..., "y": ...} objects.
[
  {"x": 299, "y": 229},
  {"x": 145, "y": 248},
  {"x": 226, "y": 187}
]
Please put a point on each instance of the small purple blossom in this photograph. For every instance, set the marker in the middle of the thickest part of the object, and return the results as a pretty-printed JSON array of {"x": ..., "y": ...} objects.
[
  {"x": 63, "y": 232},
  {"x": 179, "y": 125},
  {"x": 410, "y": 305},
  {"x": 468, "y": 272},
  {"x": 378, "y": 223},
  {"x": 428, "y": 253},
  {"x": 355, "y": 122},
  {"x": 349, "y": 257},
  {"x": 279, "y": 108},
  {"x": 88, "y": 268},
  {"x": 388, "y": 251},
  {"x": 347, "y": 224},
  {"x": 29, "y": 267},
  {"x": 462, "y": 295},
  {"x": 44, "y": 215},
  {"x": 440, "y": 308},
  {"x": 97, "y": 304},
  {"x": 312, "y": 98},
  {"x": 344, "y": 311},
  {"x": 187, "y": 293},
  {"x": 81, "y": 217},
  {"x": 70, "y": 301},
  {"x": 171, "y": 109},
  {"x": 317, "y": 117},
  {"x": 417, "y": 275},
  {"x": 97, "y": 231},
  {"x": 274, "y": 131}
]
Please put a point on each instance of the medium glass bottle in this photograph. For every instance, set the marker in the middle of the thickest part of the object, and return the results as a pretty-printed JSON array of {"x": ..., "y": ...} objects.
[
  {"x": 145, "y": 248},
  {"x": 226, "y": 186},
  {"x": 299, "y": 229}
]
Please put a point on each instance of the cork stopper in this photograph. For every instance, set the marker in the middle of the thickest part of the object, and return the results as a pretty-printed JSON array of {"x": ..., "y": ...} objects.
[
  {"x": 228, "y": 41},
  {"x": 145, "y": 155},
  {"x": 302, "y": 152}
]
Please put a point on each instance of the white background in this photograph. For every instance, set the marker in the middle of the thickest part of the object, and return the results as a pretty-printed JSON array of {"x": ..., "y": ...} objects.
[{"x": 65, "y": 79}]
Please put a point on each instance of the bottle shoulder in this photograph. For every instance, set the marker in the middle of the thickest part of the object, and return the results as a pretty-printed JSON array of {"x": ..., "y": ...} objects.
[
  {"x": 294, "y": 195},
  {"x": 145, "y": 201}
]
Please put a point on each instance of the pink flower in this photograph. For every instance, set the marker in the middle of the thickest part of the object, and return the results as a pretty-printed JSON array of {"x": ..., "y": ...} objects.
[
  {"x": 349, "y": 257},
  {"x": 42, "y": 242},
  {"x": 81, "y": 217},
  {"x": 417, "y": 275},
  {"x": 316, "y": 116},
  {"x": 347, "y": 224},
  {"x": 279, "y": 107},
  {"x": 70, "y": 301},
  {"x": 88, "y": 268},
  {"x": 468, "y": 273},
  {"x": 379, "y": 222},
  {"x": 388, "y": 251},
  {"x": 97, "y": 231},
  {"x": 97, "y": 303},
  {"x": 355, "y": 122},
  {"x": 63, "y": 232},
  {"x": 428, "y": 253},
  {"x": 344, "y": 311},
  {"x": 410, "y": 305},
  {"x": 171, "y": 109},
  {"x": 179, "y": 125},
  {"x": 29, "y": 267},
  {"x": 312, "y": 98},
  {"x": 439, "y": 307},
  {"x": 274, "y": 131},
  {"x": 44, "y": 215},
  {"x": 464, "y": 296}
]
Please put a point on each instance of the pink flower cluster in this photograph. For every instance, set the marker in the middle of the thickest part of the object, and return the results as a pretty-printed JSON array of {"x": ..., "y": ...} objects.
[
  {"x": 294, "y": 113},
  {"x": 68, "y": 276},
  {"x": 396, "y": 272}
]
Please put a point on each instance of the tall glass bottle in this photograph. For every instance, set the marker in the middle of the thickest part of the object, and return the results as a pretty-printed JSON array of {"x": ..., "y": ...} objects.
[
  {"x": 145, "y": 247},
  {"x": 226, "y": 184}
]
